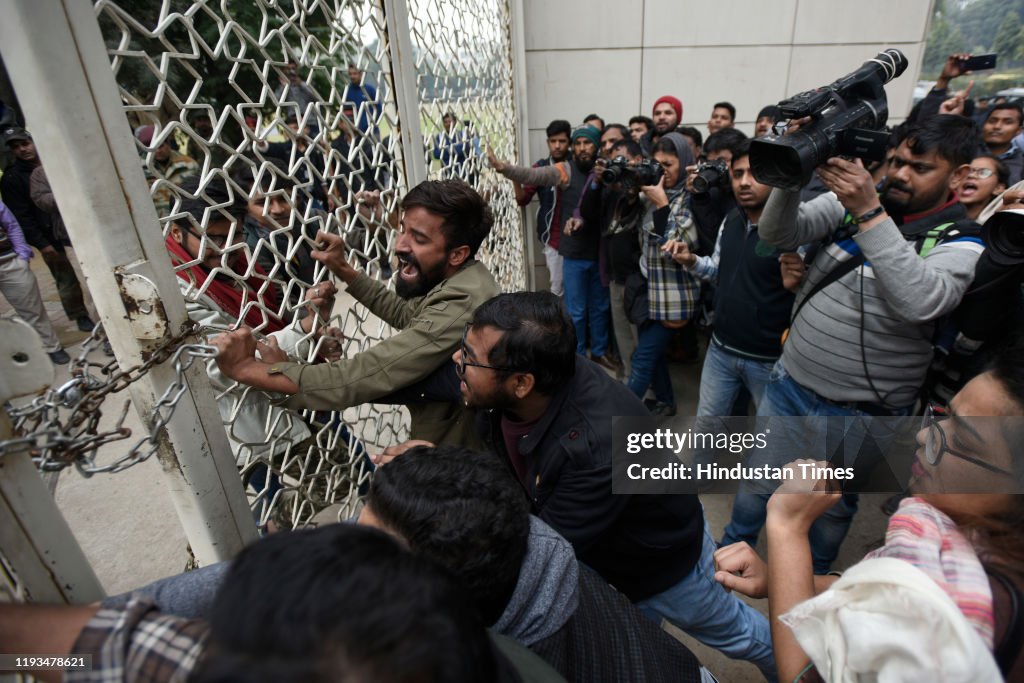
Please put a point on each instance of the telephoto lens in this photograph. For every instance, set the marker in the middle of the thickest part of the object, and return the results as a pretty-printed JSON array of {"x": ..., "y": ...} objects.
[{"x": 1004, "y": 237}]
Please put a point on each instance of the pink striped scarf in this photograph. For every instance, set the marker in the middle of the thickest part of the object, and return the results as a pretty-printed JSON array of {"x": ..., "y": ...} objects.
[{"x": 927, "y": 538}]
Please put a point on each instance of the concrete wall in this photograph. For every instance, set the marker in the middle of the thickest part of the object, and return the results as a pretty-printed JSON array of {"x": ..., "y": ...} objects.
[{"x": 616, "y": 58}]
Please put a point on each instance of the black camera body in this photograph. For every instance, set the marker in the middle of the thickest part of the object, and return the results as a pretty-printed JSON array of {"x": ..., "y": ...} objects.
[
  {"x": 848, "y": 116},
  {"x": 1004, "y": 237},
  {"x": 710, "y": 174},
  {"x": 619, "y": 170}
]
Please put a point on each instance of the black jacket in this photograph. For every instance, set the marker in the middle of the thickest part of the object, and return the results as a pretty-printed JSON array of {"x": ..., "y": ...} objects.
[
  {"x": 621, "y": 250},
  {"x": 640, "y": 544},
  {"x": 709, "y": 210},
  {"x": 608, "y": 639},
  {"x": 36, "y": 223}
]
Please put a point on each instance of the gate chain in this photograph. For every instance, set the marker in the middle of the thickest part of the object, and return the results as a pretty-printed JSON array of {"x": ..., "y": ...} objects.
[{"x": 57, "y": 440}]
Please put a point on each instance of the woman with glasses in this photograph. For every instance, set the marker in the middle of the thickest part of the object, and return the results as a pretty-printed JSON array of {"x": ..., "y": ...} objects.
[
  {"x": 942, "y": 600},
  {"x": 987, "y": 179}
]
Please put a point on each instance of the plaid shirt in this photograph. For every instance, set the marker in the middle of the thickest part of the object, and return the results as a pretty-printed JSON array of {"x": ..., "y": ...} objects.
[
  {"x": 673, "y": 292},
  {"x": 137, "y": 643}
]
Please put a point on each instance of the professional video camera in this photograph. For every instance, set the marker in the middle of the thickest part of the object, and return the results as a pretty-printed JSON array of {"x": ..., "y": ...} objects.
[
  {"x": 1004, "y": 237},
  {"x": 848, "y": 116},
  {"x": 619, "y": 170},
  {"x": 710, "y": 174}
]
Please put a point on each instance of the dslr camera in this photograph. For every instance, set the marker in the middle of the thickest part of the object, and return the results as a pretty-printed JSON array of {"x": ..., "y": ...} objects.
[
  {"x": 619, "y": 170},
  {"x": 848, "y": 117},
  {"x": 710, "y": 174},
  {"x": 1004, "y": 237}
]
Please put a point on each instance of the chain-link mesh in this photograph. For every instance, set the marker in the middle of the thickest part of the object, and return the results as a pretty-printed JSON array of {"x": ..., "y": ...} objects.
[
  {"x": 289, "y": 107},
  {"x": 464, "y": 77},
  {"x": 288, "y": 103}
]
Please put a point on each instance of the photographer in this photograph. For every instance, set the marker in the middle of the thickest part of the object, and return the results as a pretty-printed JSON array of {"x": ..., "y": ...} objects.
[
  {"x": 991, "y": 315},
  {"x": 673, "y": 293},
  {"x": 710, "y": 207},
  {"x": 614, "y": 210},
  {"x": 586, "y": 298},
  {"x": 859, "y": 343},
  {"x": 932, "y": 102},
  {"x": 766, "y": 120},
  {"x": 753, "y": 308}
]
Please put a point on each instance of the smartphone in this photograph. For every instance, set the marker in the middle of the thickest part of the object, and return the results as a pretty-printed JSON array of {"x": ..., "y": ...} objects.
[{"x": 979, "y": 62}]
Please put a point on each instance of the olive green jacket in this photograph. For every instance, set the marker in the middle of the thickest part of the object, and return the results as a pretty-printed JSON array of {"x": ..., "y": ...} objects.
[{"x": 430, "y": 329}]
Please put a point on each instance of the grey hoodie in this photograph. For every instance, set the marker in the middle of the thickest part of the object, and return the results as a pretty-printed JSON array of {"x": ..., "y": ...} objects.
[
  {"x": 547, "y": 593},
  {"x": 545, "y": 597}
]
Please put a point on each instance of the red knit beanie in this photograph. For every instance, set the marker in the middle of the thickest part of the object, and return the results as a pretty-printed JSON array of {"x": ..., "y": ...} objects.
[{"x": 673, "y": 102}]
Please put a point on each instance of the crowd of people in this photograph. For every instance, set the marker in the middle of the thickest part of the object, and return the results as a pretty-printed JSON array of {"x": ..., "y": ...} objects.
[{"x": 878, "y": 291}]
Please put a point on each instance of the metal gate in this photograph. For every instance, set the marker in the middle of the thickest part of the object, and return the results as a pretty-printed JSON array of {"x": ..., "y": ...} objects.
[{"x": 300, "y": 104}]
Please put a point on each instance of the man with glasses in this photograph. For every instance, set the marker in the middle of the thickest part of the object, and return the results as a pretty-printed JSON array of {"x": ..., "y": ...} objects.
[
  {"x": 548, "y": 411},
  {"x": 438, "y": 285}
]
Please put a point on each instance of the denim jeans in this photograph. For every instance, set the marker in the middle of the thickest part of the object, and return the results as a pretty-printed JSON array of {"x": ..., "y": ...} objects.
[
  {"x": 722, "y": 377},
  {"x": 700, "y": 606},
  {"x": 648, "y": 367},
  {"x": 861, "y": 439},
  {"x": 587, "y": 301}
]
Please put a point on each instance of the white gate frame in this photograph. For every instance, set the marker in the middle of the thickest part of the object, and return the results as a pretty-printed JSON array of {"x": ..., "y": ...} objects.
[
  {"x": 518, "y": 46},
  {"x": 58, "y": 63},
  {"x": 407, "y": 95}
]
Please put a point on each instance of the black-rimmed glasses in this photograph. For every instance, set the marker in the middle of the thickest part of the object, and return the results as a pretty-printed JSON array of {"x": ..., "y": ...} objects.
[
  {"x": 460, "y": 367},
  {"x": 935, "y": 444}
]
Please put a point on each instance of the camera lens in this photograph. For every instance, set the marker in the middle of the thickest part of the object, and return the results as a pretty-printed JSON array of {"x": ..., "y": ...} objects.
[
  {"x": 1004, "y": 236},
  {"x": 611, "y": 174}
]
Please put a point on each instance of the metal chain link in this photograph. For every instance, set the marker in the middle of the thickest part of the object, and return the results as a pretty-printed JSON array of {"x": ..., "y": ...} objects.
[{"x": 62, "y": 426}]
